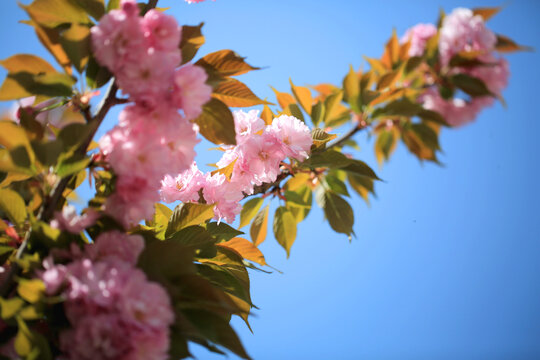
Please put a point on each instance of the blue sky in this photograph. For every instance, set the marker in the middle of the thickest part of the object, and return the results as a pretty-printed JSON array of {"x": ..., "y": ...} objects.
[{"x": 447, "y": 259}]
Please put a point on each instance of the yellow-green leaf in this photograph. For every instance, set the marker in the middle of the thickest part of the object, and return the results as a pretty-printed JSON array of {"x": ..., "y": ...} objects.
[
  {"x": 259, "y": 227},
  {"x": 13, "y": 205},
  {"x": 267, "y": 115},
  {"x": 284, "y": 228},
  {"x": 284, "y": 99},
  {"x": 51, "y": 13},
  {"x": 10, "y": 307},
  {"x": 76, "y": 44},
  {"x": 31, "y": 290},
  {"x": 249, "y": 210}
]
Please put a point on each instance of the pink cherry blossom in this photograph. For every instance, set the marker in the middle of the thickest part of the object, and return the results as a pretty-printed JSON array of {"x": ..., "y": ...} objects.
[
  {"x": 418, "y": 35},
  {"x": 118, "y": 33},
  {"x": 247, "y": 123},
  {"x": 68, "y": 220},
  {"x": 463, "y": 31},
  {"x": 116, "y": 244},
  {"x": 190, "y": 90},
  {"x": 225, "y": 195},
  {"x": 293, "y": 134},
  {"x": 185, "y": 187},
  {"x": 162, "y": 30},
  {"x": 262, "y": 156},
  {"x": 133, "y": 200}
]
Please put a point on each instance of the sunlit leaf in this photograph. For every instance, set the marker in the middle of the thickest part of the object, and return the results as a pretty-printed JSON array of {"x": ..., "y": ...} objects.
[
  {"x": 385, "y": 144},
  {"x": 299, "y": 202},
  {"x": 50, "y": 38},
  {"x": 227, "y": 170},
  {"x": 284, "y": 99},
  {"x": 76, "y": 43},
  {"x": 216, "y": 123},
  {"x": 187, "y": 214},
  {"x": 486, "y": 12},
  {"x": 303, "y": 96},
  {"x": 52, "y": 13},
  {"x": 234, "y": 93},
  {"x": 225, "y": 63},
  {"x": 267, "y": 115},
  {"x": 362, "y": 185},
  {"x": 336, "y": 185},
  {"x": 246, "y": 249}
]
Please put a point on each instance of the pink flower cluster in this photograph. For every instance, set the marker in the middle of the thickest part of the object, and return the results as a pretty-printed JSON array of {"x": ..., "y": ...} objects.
[
  {"x": 113, "y": 310},
  {"x": 257, "y": 157},
  {"x": 462, "y": 31},
  {"x": 154, "y": 136}
]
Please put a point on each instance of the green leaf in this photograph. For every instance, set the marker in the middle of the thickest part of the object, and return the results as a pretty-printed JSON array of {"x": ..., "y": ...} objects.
[
  {"x": 225, "y": 63},
  {"x": 338, "y": 212},
  {"x": 24, "y": 84},
  {"x": 216, "y": 123},
  {"x": 192, "y": 40},
  {"x": 284, "y": 228},
  {"x": 318, "y": 113},
  {"x": 217, "y": 330},
  {"x": 336, "y": 185},
  {"x": 31, "y": 290},
  {"x": 471, "y": 85},
  {"x": 250, "y": 208},
  {"x": 222, "y": 231},
  {"x": 30, "y": 75},
  {"x": 51, "y": 13},
  {"x": 294, "y": 110},
  {"x": 187, "y": 214},
  {"x": 96, "y": 75},
  {"x": 193, "y": 237},
  {"x": 430, "y": 115},
  {"x": 320, "y": 137},
  {"x": 505, "y": 45},
  {"x": 401, "y": 107},
  {"x": 164, "y": 261},
  {"x": 362, "y": 185},
  {"x": 73, "y": 134},
  {"x": 328, "y": 158},
  {"x": 95, "y": 8},
  {"x": 412, "y": 63},
  {"x": 13, "y": 205},
  {"x": 72, "y": 165},
  {"x": 385, "y": 145},
  {"x": 330, "y": 103},
  {"x": 259, "y": 227},
  {"x": 234, "y": 93}
]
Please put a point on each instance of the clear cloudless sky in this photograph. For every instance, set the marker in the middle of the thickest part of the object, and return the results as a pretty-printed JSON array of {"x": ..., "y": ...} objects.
[{"x": 447, "y": 259}]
